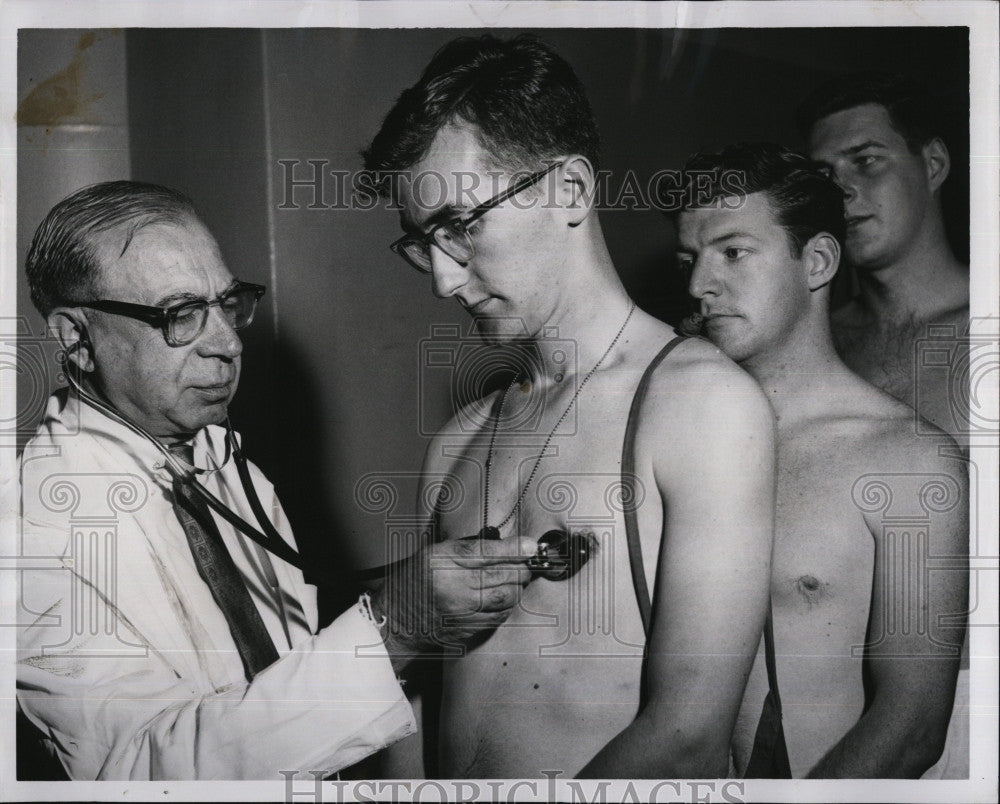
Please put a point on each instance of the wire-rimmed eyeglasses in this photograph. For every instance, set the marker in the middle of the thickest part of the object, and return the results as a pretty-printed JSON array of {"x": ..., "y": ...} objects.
[
  {"x": 452, "y": 236},
  {"x": 182, "y": 323}
]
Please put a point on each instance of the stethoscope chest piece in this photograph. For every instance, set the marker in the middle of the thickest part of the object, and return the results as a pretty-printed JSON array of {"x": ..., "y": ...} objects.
[{"x": 560, "y": 555}]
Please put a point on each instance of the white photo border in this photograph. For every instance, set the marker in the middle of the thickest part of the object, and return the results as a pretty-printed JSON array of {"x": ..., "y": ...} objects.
[{"x": 981, "y": 19}]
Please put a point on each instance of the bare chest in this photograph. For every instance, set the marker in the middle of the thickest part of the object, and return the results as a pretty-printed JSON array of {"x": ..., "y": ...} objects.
[
  {"x": 883, "y": 355},
  {"x": 527, "y": 474},
  {"x": 569, "y": 658},
  {"x": 824, "y": 552},
  {"x": 530, "y": 482},
  {"x": 924, "y": 365}
]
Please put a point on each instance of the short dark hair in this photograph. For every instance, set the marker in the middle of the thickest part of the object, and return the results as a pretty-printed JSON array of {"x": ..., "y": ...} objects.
[
  {"x": 61, "y": 266},
  {"x": 805, "y": 200},
  {"x": 525, "y": 101},
  {"x": 909, "y": 104}
]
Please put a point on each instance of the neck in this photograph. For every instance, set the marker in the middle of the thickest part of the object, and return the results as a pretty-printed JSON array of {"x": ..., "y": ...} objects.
[
  {"x": 924, "y": 282},
  {"x": 578, "y": 333},
  {"x": 91, "y": 394},
  {"x": 797, "y": 369}
]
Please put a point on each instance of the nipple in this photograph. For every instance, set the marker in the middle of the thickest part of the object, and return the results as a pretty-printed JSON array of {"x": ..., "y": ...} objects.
[{"x": 811, "y": 588}]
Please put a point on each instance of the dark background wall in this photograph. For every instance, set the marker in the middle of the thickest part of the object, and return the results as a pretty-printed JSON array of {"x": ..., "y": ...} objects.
[{"x": 334, "y": 388}]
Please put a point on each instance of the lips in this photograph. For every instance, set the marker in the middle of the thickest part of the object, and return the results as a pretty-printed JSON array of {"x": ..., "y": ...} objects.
[
  {"x": 718, "y": 322},
  {"x": 856, "y": 220},
  {"x": 215, "y": 391},
  {"x": 715, "y": 315},
  {"x": 478, "y": 308}
]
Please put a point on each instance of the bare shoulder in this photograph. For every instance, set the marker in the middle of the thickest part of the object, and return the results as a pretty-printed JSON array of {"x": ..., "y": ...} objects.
[
  {"x": 878, "y": 433},
  {"x": 697, "y": 374},
  {"x": 903, "y": 446},
  {"x": 698, "y": 393},
  {"x": 901, "y": 467}
]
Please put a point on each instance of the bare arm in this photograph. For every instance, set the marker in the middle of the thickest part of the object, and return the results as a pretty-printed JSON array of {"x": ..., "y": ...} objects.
[
  {"x": 911, "y": 659},
  {"x": 714, "y": 462}
]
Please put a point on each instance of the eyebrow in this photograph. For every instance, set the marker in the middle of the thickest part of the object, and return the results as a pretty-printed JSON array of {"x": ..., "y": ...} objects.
[
  {"x": 445, "y": 213},
  {"x": 719, "y": 239},
  {"x": 185, "y": 296},
  {"x": 866, "y": 144},
  {"x": 166, "y": 301}
]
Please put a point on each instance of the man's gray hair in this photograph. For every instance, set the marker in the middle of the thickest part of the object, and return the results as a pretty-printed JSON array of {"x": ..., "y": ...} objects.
[{"x": 61, "y": 266}]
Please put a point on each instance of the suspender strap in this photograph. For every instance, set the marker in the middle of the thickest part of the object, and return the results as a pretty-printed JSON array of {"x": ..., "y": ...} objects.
[
  {"x": 772, "y": 670},
  {"x": 628, "y": 488},
  {"x": 769, "y": 758}
]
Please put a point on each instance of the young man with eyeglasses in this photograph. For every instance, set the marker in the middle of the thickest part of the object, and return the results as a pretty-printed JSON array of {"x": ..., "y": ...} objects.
[
  {"x": 157, "y": 642},
  {"x": 505, "y": 130}
]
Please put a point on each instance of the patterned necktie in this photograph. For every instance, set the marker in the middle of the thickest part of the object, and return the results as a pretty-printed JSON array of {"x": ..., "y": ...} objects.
[{"x": 217, "y": 570}]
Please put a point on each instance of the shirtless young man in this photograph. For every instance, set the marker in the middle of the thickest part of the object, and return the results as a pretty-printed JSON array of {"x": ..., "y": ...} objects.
[
  {"x": 871, "y": 538},
  {"x": 565, "y": 688},
  {"x": 877, "y": 136}
]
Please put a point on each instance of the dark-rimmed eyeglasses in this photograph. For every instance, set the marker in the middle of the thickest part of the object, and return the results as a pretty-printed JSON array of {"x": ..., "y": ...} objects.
[
  {"x": 452, "y": 236},
  {"x": 182, "y": 323}
]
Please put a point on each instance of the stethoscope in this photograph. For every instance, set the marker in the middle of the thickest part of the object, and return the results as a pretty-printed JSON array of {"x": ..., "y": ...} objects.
[
  {"x": 268, "y": 541},
  {"x": 559, "y": 555}
]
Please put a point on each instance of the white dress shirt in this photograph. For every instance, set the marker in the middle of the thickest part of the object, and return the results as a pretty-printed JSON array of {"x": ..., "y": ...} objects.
[{"x": 126, "y": 663}]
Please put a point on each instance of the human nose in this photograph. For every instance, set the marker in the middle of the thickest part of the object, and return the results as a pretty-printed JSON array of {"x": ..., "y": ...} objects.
[
  {"x": 846, "y": 181},
  {"x": 704, "y": 281},
  {"x": 447, "y": 273},
  {"x": 219, "y": 338}
]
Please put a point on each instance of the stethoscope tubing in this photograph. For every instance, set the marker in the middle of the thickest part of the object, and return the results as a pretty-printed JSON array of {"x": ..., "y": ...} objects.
[{"x": 270, "y": 541}]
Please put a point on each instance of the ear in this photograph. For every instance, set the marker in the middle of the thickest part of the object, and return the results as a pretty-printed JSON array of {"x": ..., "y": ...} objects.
[
  {"x": 576, "y": 188},
  {"x": 822, "y": 256},
  {"x": 938, "y": 163},
  {"x": 69, "y": 325}
]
